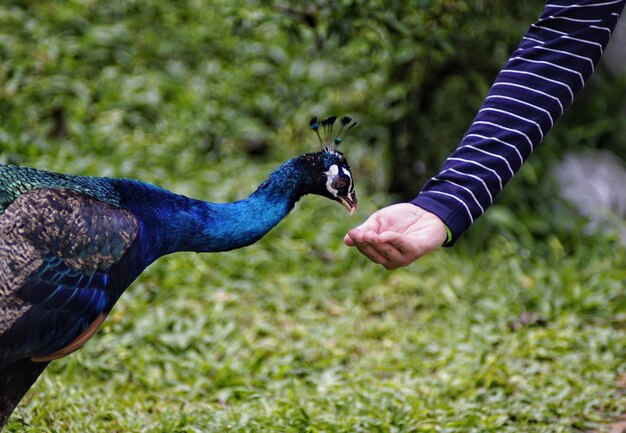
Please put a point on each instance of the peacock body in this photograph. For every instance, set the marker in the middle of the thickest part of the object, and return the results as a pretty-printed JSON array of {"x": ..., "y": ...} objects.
[{"x": 71, "y": 245}]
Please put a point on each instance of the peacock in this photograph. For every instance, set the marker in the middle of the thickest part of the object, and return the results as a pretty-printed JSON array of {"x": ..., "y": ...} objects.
[{"x": 70, "y": 245}]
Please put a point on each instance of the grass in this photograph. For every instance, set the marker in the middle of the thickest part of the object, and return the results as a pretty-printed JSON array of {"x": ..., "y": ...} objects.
[
  {"x": 300, "y": 334},
  {"x": 507, "y": 332}
]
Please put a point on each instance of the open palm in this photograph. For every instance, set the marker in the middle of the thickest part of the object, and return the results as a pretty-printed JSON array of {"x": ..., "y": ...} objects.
[{"x": 398, "y": 235}]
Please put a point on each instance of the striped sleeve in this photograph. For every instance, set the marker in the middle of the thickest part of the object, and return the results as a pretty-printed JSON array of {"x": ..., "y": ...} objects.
[{"x": 555, "y": 58}]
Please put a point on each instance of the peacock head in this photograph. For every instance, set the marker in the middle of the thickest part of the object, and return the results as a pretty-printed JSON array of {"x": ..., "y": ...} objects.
[{"x": 335, "y": 179}]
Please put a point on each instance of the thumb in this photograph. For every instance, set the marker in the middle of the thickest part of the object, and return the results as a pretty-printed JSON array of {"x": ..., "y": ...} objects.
[
  {"x": 357, "y": 234},
  {"x": 371, "y": 224}
]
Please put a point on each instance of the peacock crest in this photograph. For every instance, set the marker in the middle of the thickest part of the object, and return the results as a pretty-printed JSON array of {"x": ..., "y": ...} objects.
[{"x": 329, "y": 143}]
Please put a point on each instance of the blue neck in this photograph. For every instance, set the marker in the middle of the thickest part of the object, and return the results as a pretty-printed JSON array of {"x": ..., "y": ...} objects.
[{"x": 178, "y": 223}]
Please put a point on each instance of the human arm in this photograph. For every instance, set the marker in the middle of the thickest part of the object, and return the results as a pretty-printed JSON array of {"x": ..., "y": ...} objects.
[{"x": 554, "y": 60}]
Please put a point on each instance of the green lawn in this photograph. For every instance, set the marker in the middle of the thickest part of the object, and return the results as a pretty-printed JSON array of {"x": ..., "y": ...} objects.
[
  {"x": 299, "y": 333},
  {"x": 520, "y": 328}
]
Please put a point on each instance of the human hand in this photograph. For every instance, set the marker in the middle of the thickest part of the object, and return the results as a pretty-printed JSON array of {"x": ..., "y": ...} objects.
[{"x": 397, "y": 235}]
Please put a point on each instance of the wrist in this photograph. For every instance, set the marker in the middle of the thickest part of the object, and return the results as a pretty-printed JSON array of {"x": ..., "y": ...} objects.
[{"x": 449, "y": 238}]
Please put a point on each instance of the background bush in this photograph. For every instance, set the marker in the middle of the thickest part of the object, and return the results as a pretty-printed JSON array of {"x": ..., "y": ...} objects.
[{"x": 519, "y": 328}]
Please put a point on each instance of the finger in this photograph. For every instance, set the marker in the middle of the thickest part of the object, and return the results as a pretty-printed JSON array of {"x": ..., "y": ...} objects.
[
  {"x": 406, "y": 245},
  {"x": 370, "y": 252},
  {"x": 348, "y": 241},
  {"x": 393, "y": 256},
  {"x": 372, "y": 223},
  {"x": 374, "y": 241},
  {"x": 356, "y": 235},
  {"x": 370, "y": 237},
  {"x": 369, "y": 244}
]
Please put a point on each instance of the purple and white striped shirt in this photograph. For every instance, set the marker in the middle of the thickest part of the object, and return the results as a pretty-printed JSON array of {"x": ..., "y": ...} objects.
[{"x": 555, "y": 58}]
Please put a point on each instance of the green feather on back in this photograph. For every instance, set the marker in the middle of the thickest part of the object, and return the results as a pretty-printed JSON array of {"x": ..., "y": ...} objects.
[{"x": 15, "y": 181}]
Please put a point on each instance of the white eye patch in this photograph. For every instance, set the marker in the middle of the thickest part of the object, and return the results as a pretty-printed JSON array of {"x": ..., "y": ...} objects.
[
  {"x": 347, "y": 173},
  {"x": 332, "y": 179},
  {"x": 332, "y": 172}
]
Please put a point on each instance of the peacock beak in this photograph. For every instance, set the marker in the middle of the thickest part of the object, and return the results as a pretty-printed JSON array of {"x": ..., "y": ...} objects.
[{"x": 349, "y": 202}]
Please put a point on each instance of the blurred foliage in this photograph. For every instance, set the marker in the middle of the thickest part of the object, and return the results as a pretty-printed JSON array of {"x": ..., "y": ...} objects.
[
  {"x": 296, "y": 334},
  {"x": 518, "y": 328},
  {"x": 436, "y": 60},
  {"x": 208, "y": 80}
]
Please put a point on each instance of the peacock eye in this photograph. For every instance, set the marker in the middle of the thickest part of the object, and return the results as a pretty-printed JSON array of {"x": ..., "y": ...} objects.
[{"x": 340, "y": 183}]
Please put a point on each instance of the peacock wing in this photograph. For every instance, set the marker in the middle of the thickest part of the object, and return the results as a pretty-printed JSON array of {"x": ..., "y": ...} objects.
[
  {"x": 15, "y": 181},
  {"x": 57, "y": 248}
]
